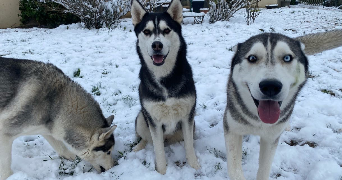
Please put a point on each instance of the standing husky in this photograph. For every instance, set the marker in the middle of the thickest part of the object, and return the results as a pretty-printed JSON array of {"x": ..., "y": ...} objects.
[
  {"x": 267, "y": 73},
  {"x": 167, "y": 90},
  {"x": 37, "y": 98}
]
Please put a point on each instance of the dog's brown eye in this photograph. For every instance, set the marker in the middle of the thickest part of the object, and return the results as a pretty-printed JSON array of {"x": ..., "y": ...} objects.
[
  {"x": 167, "y": 31},
  {"x": 252, "y": 58},
  {"x": 147, "y": 32}
]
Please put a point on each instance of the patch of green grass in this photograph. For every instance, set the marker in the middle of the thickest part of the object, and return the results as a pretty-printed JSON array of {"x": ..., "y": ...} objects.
[
  {"x": 96, "y": 91},
  {"x": 77, "y": 73},
  {"x": 213, "y": 124},
  {"x": 217, "y": 153},
  {"x": 129, "y": 100},
  {"x": 326, "y": 91},
  {"x": 67, "y": 168},
  {"x": 217, "y": 167},
  {"x": 203, "y": 106},
  {"x": 310, "y": 75},
  {"x": 104, "y": 72},
  {"x": 146, "y": 164},
  {"x": 295, "y": 143}
]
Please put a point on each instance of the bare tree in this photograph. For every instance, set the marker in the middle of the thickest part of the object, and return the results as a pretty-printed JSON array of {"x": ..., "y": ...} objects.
[
  {"x": 150, "y": 5},
  {"x": 223, "y": 10}
]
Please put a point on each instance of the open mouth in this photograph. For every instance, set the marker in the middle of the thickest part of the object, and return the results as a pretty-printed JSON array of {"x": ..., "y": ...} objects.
[
  {"x": 268, "y": 110},
  {"x": 158, "y": 59}
]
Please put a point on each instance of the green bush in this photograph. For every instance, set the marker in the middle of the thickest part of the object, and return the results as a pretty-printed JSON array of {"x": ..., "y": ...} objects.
[{"x": 48, "y": 14}]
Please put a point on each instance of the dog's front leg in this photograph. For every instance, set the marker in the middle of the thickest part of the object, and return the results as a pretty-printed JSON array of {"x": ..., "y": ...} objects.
[
  {"x": 234, "y": 155},
  {"x": 267, "y": 151},
  {"x": 188, "y": 133},
  {"x": 158, "y": 144},
  {"x": 60, "y": 148},
  {"x": 5, "y": 157}
]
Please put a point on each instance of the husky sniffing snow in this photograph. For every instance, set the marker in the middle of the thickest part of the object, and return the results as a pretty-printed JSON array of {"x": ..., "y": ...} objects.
[
  {"x": 167, "y": 90},
  {"x": 37, "y": 98},
  {"x": 267, "y": 73}
]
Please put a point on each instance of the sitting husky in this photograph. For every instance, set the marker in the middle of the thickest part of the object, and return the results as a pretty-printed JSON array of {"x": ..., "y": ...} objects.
[
  {"x": 37, "y": 98},
  {"x": 267, "y": 73},
  {"x": 167, "y": 90}
]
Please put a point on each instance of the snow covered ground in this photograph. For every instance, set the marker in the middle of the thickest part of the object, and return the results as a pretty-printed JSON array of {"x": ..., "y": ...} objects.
[{"x": 109, "y": 66}]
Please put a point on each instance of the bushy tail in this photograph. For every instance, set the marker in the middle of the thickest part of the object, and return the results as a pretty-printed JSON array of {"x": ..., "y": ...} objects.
[{"x": 319, "y": 42}]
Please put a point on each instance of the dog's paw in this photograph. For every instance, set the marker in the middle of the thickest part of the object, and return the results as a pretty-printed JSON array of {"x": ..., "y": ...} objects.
[
  {"x": 195, "y": 165},
  {"x": 161, "y": 170},
  {"x": 141, "y": 145}
]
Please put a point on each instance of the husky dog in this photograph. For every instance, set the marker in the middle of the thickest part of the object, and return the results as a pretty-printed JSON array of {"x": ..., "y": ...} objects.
[
  {"x": 167, "y": 90},
  {"x": 267, "y": 73},
  {"x": 37, "y": 98}
]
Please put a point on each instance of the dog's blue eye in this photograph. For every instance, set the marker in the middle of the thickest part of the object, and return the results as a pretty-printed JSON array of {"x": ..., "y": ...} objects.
[
  {"x": 287, "y": 58},
  {"x": 252, "y": 58}
]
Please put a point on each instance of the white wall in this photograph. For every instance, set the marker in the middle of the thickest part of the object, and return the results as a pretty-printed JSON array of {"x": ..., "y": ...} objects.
[{"x": 9, "y": 10}]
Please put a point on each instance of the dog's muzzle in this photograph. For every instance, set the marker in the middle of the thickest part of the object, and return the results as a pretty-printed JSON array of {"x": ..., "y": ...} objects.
[
  {"x": 269, "y": 107},
  {"x": 158, "y": 58}
]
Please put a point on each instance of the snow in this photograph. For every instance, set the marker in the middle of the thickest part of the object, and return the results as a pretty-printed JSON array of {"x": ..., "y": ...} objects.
[{"x": 107, "y": 59}]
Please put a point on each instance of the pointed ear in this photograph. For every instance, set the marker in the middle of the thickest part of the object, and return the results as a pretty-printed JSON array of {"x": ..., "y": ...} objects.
[
  {"x": 137, "y": 12},
  {"x": 110, "y": 119},
  {"x": 302, "y": 46},
  {"x": 235, "y": 48},
  {"x": 176, "y": 11},
  {"x": 105, "y": 133}
]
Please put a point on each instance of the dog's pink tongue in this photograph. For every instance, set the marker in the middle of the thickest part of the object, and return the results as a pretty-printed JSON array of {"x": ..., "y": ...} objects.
[
  {"x": 269, "y": 111},
  {"x": 158, "y": 58}
]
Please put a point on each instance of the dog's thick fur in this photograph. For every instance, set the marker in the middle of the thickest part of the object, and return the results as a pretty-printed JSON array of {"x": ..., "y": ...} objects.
[
  {"x": 267, "y": 73},
  {"x": 37, "y": 98},
  {"x": 167, "y": 90}
]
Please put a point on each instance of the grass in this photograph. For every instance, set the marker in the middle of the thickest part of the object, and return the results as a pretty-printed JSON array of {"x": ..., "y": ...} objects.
[
  {"x": 77, "y": 73},
  {"x": 105, "y": 72},
  {"x": 326, "y": 91},
  {"x": 295, "y": 143},
  {"x": 129, "y": 100},
  {"x": 217, "y": 153},
  {"x": 96, "y": 91},
  {"x": 217, "y": 167},
  {"x": 67, "y": 168},
  {"x": 203, "y": 106}
]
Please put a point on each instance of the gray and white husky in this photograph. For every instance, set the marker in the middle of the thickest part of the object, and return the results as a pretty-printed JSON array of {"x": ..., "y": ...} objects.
[
  {"x": 267, "y": 73},
  {"x": 167, "y": 90},
  {"x": 37, "y": 98}
]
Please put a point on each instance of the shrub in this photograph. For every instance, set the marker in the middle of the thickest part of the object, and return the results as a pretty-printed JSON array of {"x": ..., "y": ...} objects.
[
  {"x": 49, "y": 14},
  {"x": 223, "y": 10},
  {"x": 149, "y": 5},
  {"x": 97, "y": 13}
]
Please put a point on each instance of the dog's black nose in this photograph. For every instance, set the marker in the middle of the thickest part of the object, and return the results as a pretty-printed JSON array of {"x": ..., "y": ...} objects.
[
  {"x": 102, "y": 169},
  {"x": 270, "y": 87},
  {"x": 157, "y": 46}
]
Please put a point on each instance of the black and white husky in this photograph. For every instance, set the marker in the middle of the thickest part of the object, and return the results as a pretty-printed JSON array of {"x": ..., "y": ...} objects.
[
  {"x": 167, "y": 90},
  {"x": 267, "y": 73}
]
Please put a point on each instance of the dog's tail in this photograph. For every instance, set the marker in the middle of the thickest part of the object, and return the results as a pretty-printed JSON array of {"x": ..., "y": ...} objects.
[{"x": 319, "y": 42}]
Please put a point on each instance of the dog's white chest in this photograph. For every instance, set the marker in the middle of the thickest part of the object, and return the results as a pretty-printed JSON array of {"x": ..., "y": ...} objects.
[{"x": 173, "y": 109}]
